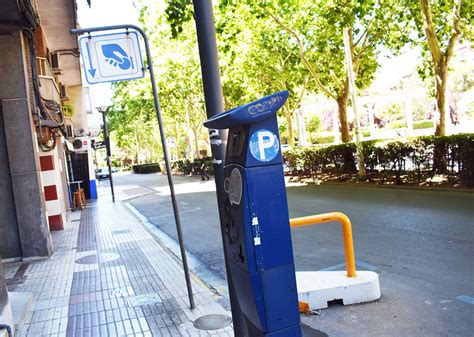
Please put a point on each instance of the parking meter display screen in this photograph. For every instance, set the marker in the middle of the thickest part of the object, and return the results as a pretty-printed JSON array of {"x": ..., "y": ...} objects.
[{"x": 237, "y": 139}]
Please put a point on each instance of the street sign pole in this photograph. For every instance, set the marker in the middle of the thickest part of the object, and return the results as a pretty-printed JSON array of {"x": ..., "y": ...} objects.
[
  {"x": 206, "y": 35},
  {"x": 163, "y": 143}
]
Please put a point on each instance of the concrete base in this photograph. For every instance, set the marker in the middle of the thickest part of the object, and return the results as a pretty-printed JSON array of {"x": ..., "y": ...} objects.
[
  {"x": 319, "y": 287},
  {"x": 21, "y": 303}
]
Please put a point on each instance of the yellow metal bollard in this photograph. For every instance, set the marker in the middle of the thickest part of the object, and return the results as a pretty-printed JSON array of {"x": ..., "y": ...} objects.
[{"x": 346, "y": 231}]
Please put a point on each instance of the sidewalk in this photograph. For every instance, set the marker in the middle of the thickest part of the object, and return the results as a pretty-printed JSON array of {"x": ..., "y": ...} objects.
[{"x": 110, "y": 276}]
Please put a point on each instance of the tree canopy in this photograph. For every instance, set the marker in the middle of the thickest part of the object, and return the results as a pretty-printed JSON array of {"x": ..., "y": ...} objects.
[
  {"x": 268, "y": 46},
  {"x": 439, "y": 26}
]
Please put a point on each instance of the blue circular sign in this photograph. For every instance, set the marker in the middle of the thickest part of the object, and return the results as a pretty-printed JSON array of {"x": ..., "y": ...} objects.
[{"x": 264, "y": 145}]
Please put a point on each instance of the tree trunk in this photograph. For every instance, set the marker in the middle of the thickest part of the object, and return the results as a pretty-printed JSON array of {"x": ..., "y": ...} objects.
[
  {"x": 289, "y": 121},
  {"x": 342, "y": 101},
  {"x": 302, "y": 141},
  {"x": 196, "y": 142},
  {"x": 441, "y": 76},
  {"x": 188, "y": 126},
  {"x": 177, "y": 139},
  {"x": 137, "y": 146}
]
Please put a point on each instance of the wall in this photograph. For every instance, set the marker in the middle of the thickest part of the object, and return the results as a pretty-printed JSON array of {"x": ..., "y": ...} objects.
[
  {"x": 10, "y": 242},
  {"x": 22, "y": 149},
  {"x": 77, "y": 98}
]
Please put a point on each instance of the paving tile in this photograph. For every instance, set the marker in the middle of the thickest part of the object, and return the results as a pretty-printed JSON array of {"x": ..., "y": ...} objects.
[{"x": 125, "y": 260}]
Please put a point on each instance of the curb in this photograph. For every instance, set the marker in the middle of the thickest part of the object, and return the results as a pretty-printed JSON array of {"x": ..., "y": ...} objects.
[
  {"x": 401, "y": 187},
  {"x": 199, "y": 272}
]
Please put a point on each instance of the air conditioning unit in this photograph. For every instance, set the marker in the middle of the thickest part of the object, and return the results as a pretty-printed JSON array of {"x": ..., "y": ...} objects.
[
  {"x": 81, "y": 144},
  {"x": 63, "y": 91},
  {"x": 54, "y": 60}
]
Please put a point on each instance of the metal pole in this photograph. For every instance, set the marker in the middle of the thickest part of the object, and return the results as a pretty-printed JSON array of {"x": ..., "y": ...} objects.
[
  {"x": 350, "y": 73},
  {"x": 192, "y": 305},
  {"x": 69, "y": 175},
  {"x": 211, "y": 80},
  {"x": 346, "y": 233},
  {"x": 107, "y": 149}
]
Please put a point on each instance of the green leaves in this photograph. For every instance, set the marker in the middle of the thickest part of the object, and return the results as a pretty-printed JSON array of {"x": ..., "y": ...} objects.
[
  {"x": 177, "y": 71},
  {"x": 178, "y": 13},
  {"x": 439, "y": 26}
]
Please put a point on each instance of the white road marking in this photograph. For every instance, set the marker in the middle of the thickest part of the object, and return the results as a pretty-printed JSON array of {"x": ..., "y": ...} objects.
[{"x": 172, "y": 214}]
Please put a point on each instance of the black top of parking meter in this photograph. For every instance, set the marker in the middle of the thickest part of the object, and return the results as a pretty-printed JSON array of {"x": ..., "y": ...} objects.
[{"x": 250, "y": 113}]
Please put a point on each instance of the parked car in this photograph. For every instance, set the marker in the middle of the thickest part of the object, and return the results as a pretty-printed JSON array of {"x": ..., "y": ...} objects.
[
  {"x": 285, "y": 147},
  {"x": 103, "y": 172}
]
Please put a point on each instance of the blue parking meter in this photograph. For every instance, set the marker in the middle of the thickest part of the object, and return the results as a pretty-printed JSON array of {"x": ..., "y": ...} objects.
[{"x": 257, "y": 231}]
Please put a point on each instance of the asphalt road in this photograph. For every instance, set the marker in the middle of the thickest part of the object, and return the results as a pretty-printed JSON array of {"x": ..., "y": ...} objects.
[{"x": 421, "y": 243}]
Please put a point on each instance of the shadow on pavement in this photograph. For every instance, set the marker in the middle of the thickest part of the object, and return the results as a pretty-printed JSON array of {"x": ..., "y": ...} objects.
[{"x": 310, "y": 332}]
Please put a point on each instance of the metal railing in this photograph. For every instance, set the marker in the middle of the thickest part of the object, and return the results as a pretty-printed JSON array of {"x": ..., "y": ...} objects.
[
  {"x": 45, "y": 70},
  {"x": 346, "y": 231}
]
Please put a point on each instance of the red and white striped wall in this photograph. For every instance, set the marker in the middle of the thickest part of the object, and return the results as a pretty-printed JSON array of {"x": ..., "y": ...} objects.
[{"x": 52, "y": 188}]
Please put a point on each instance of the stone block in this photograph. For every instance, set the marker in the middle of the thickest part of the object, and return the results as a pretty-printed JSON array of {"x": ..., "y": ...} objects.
[
  {"x": 20, "y": 138},
  {"x": 10, "y": 242},
  {"x": 12, "y": 67},
  {"x": 32, "y": 224}
]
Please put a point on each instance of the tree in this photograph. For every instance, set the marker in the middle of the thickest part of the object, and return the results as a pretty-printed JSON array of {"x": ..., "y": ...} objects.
[
  {"x": 182, "y": 95},
  {"x": 313, "y": 125},
  {"x": 255, "y": 56},
  {"x": 316, "y": 27},
  {"x": 132, "y": 121},
  {"x": 257, "y": 60},
  {"x": 133, "y": 117},
  {"x": 440, "y": 25}
]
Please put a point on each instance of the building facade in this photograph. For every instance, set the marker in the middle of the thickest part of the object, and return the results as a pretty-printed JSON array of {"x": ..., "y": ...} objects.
[{"x": 44, "y": 137}]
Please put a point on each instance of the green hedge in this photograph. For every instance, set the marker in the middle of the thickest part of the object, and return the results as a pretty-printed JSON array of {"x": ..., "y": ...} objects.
[
  {"x": 423, "y": 125},
  {"x": 397, "y": 125},
  {"x": 325, "y": 139},
  {"x": 403, "y": 161},
  {"x": 146, "y": 168},
  {"x": 187, "y": 167}
]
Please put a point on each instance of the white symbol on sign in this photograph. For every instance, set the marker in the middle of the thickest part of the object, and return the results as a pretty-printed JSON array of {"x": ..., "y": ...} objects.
[
  {"x": 112, "y": 57},
  {"x": 265, "y": 141},
  {"x": 264, "y": 145}
]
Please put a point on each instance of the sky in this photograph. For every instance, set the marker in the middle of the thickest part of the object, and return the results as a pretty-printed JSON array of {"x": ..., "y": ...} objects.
[{"x": 107, "y": 12}]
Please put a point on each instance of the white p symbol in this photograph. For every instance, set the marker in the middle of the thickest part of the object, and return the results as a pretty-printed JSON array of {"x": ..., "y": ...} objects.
[{"x": 266, "y": 140}]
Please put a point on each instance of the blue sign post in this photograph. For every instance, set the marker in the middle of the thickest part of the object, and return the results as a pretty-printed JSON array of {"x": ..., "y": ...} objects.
[
  {"x": 258, "y": 240},
  {"x": 117, "y": 57}
]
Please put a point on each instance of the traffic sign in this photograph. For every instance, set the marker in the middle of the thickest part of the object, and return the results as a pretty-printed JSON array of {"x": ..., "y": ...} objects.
[
  {"x": 264, "y": 145},
  {"x": 111, "y": 57}
]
